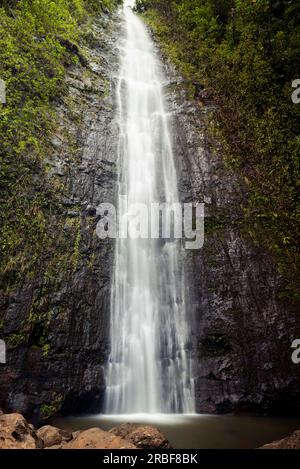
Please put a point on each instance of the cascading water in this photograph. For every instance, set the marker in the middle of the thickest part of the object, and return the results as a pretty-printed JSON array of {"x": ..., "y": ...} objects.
[{"x": 149, "y": 370}]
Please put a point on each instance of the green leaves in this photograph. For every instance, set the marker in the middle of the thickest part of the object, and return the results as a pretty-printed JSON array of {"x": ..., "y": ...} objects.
[{"x": 34, "y": 54}]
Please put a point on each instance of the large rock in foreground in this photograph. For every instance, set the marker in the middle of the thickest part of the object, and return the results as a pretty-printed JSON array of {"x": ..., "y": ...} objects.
[
  {"x": 16, "y": 433},
  {"x": 142, "y": 436},
  {"x": 290, "y": 442},
  {"x": 53, "y": 436},
  {"x": 98, "y": 439}
]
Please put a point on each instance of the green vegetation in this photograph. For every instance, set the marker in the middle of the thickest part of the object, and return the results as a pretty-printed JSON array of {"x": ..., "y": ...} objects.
[
  {"x": 48, "y": 410},
  {"x": 15, "y": 340},
  {"x": 39, "y": 40},
  {"x": 214, "y": 223},
  {"x": 246, "y": 54}
]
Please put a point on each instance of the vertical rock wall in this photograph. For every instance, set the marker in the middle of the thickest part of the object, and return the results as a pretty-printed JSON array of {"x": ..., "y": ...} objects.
[
  {"x": 66, "y": 372},
  {"x": 242, "y": 332}
]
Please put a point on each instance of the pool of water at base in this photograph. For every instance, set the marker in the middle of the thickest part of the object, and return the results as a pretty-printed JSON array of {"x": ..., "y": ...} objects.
[{"x": 199, "y": 431}]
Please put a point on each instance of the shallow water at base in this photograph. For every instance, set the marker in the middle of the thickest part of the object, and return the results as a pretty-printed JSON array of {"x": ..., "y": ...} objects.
[{"x": 198, "y": 431}]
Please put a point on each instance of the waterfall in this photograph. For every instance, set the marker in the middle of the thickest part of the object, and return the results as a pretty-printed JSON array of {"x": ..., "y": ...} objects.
[{"x": 150, "y": 368}]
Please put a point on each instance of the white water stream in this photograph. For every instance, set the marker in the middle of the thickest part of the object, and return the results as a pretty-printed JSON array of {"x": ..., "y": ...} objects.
[{"x": 149, "y": 370}]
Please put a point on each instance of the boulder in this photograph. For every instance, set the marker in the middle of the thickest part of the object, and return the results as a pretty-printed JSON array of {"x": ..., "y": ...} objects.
[
  {"x": 290, "y": 442},
  {"x": 142, "y": 436},
  {"x": 95, "y": 438},
  {"x": 53, "y": 436},
  {"x": 16, "y": 433}
]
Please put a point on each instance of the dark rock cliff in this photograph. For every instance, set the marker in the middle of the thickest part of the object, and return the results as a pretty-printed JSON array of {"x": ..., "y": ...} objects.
[
  {"x": 242, "y": 332},
  {"x": 66, "y": 373}
]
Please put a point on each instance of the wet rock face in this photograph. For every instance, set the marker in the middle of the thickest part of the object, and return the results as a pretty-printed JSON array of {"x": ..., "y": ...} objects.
[
  {"x": 242, "y": 334},
  {"x": 68, "y": 373}
]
